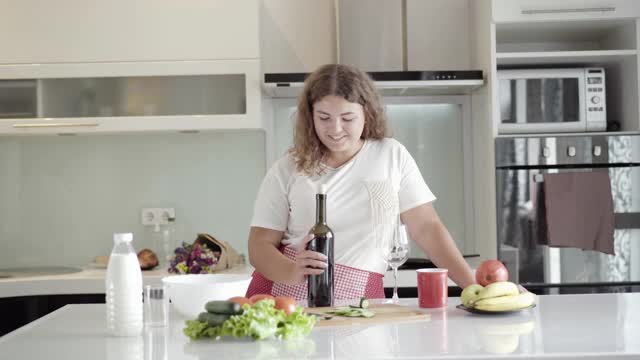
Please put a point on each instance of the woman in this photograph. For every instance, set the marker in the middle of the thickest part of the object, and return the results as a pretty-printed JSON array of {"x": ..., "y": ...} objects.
[{"x": 340, "y": 141}]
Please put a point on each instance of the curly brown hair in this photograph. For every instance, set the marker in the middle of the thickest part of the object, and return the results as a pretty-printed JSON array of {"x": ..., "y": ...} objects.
[{"x": 347, "y": 82}]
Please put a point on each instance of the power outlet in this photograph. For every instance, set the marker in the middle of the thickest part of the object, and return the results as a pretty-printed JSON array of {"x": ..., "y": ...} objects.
[{"x": 157, "y": 216}]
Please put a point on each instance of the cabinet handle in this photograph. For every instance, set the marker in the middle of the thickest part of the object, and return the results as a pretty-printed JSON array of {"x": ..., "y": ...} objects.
[
  {"x": 53, "y": 125},
  {"x": 563, "y": 11}
]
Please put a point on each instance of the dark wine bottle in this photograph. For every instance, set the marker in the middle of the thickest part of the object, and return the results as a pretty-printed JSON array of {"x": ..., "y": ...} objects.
[{"x": 321, "y": 287}]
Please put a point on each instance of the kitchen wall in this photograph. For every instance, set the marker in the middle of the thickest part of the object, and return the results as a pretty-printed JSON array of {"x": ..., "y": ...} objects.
[{"x": 62, "y": 197}]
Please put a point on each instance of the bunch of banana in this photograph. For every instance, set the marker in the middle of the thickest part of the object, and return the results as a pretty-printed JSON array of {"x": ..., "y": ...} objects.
[{"x": 497, "y": 296}]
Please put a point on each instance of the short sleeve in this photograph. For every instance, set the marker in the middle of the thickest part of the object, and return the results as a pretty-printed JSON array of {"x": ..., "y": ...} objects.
[
  {"x": 413, "y": 189},
  {"x": 271, "y": 209}
]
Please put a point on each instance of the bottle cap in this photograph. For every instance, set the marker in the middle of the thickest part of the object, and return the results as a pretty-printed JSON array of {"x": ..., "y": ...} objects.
[
  {"x": 322, "y": 189},
  {"x": 120, "y": 237}
]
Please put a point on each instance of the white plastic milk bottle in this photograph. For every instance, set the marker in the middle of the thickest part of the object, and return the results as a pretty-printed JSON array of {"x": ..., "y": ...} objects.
[{"x": 124, "y": 289}]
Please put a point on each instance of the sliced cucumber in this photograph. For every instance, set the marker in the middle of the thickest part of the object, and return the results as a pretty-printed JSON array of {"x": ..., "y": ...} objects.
[
  {"x": 367, "y": 313},
  {"x": 352, "y": 311}
]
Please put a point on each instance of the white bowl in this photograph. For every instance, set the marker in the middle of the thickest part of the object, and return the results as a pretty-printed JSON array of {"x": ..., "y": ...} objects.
[{"x": 189, "y": 293}]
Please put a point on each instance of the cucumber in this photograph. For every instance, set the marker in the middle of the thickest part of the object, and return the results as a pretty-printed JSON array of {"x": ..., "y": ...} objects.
[
  {"x": 213, "y": 319},
  {"x": 223, "y": 307},
  {"x": 364, "y": 303}
]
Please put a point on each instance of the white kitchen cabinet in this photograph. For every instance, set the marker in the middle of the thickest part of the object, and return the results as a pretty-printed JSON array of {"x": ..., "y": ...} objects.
[
  {"x": 297, "y": 35},
  {"x": 482, "y": 48},
  {"x": 438, "y": 35},
  {"x": 68, "y": 31},
  {"x": 129, "y": 97},
  {"x": 553, "y": 10}
]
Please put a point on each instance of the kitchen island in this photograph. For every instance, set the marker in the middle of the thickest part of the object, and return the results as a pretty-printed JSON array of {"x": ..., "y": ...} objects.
[
  {"x": 599, "y": 326},
  {"x": 26, "y": 297}
]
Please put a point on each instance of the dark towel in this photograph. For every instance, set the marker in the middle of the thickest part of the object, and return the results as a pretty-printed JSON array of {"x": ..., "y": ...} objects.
[{"x": 576, "y": 210}]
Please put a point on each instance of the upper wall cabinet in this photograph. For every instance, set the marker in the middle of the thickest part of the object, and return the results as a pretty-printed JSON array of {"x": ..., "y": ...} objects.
[
  {"x": 381, "y": 35},
  {"x": 297, "y": 35},
  {"x": 128, "y": 97},
  {"x": 437, "y": 34},
  {"x": 34, "y": 31},
  {"x": 550, "y": 10}
]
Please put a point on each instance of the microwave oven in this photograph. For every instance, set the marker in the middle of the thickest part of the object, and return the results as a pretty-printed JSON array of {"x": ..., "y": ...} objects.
[{"x": 552, "y": 100}]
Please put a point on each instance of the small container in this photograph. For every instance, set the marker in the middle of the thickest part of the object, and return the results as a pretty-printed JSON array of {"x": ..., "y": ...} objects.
[{"x": 156, "y": 306}]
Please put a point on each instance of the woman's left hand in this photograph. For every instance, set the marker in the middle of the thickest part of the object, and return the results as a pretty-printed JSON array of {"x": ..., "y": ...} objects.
[{"x": 308, "y": 262}]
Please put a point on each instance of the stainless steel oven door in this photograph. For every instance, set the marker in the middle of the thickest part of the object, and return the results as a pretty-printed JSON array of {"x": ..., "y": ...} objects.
[
  {"x": 533, "y": 263},
  {"x": 518, "y": 182}
]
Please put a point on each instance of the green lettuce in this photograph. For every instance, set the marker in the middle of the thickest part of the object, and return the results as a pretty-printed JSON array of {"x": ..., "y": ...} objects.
[{"x": 260, "y": 321}]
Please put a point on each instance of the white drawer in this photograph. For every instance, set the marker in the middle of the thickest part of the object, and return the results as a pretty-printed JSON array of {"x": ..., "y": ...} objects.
[{"x": 550, "y": 10}]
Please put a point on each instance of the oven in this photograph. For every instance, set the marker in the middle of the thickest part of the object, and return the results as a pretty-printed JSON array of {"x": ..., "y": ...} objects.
[{"x": 521, "y": 164}]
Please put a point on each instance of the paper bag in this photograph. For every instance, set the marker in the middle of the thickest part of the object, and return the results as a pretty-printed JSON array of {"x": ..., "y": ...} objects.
[{"x": 229, "y": 257}]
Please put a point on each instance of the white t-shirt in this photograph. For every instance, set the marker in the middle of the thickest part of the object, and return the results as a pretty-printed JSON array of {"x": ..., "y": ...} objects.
[{"x": 364, "y": 198}]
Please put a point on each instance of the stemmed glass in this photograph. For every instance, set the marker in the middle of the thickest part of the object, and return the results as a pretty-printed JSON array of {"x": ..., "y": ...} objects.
[{"x": 395, "y": 254}]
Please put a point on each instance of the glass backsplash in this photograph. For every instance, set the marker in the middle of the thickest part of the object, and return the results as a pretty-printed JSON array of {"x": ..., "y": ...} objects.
[
  {"x": 62, "y": 197},
  {"x": 432, "y": 133}
]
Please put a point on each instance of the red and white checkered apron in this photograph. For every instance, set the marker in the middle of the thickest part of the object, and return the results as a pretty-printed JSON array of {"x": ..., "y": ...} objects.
[{"x": 350, "y": 283}]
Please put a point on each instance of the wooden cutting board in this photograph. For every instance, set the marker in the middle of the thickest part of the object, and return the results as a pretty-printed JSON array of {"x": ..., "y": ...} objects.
[{"x": 385, "y": 313}]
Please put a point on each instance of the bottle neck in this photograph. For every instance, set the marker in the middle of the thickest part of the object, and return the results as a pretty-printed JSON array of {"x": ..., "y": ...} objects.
[{"x": 321, "y": 209}]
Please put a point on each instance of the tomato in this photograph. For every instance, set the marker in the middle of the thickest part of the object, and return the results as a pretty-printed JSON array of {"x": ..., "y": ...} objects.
[
  {"x": 491, "y": 271},
  {"x": 255, "y": 298},
  {"x": 240, "y": 300},
  {"x": 287, "y": 304}
]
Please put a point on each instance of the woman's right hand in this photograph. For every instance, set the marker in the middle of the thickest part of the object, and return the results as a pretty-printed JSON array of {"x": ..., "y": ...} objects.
[{"x": 308, "y": 262}]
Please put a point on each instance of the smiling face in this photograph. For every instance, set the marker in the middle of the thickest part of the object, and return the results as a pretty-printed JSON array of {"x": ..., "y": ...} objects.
[
  {"x": 338, "y": 109},
  {"x": 339, "y": 125}
]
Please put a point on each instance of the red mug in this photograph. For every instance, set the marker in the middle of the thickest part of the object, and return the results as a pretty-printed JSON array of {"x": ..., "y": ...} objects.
[{"x": 433, "y": 289}]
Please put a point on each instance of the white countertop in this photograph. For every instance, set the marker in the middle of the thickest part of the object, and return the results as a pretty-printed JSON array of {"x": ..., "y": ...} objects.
[
  {"x": 91, "y": 281},
  {"x": 598, "y": 326},
  {"x": 87, "y": 281}
]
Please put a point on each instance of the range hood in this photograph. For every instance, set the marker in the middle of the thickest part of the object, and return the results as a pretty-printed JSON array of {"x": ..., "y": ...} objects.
[
  {"x": 373, "y": 35},
  {"x": 390, "y": 83}
]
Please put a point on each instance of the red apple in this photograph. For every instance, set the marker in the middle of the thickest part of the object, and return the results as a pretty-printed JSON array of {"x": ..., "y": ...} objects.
[{"x": 491, "y": 271}]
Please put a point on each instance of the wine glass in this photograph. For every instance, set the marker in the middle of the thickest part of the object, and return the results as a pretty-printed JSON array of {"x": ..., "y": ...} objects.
[{"x": 395, "y": 254}]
